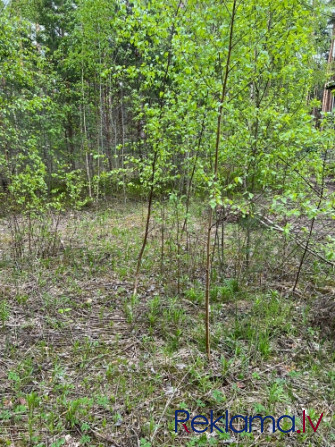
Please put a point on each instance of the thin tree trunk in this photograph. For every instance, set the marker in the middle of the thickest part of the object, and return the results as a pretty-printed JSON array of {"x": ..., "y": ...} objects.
[
  {"x": 84, "y": 138},
  {"x": 101, "y": 145},
  {"x": 306, "y": 249},
  {"x": 189, "y": 188},
  {"x": 210, "y": 219},
  {"x": 154, "y": 167},
  {"x": 146, "y": 232},
  {"x": 123, "y": 143},
  {"x": 108, "y": 128}
]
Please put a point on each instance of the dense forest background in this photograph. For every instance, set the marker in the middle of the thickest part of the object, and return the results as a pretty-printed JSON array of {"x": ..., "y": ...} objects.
[
  {"x": 185, "y": 151},
  {"x": 117, "y": 96}
]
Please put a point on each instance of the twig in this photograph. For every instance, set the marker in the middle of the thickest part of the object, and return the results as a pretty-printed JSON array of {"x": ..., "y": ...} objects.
[
  {"x": 166, "y": 407},
  {"x": 269, "y": 224}
]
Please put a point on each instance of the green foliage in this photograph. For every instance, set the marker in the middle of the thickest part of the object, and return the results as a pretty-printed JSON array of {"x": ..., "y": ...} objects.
[
  {"x": 104, "y": 96},
  {"x": 4, "y": 311},
  {"x": 145, "y": 443}
]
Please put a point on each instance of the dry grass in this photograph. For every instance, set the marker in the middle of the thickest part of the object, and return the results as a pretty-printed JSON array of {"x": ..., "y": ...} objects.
[{"x": 82, "y": 363}]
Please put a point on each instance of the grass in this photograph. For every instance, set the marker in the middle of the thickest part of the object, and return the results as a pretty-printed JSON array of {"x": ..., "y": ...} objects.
[{"x": 84, "y": 363}]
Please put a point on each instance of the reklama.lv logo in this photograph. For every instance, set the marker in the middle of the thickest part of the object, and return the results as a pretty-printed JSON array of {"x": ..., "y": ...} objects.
[{"x": 211, "y": 423}]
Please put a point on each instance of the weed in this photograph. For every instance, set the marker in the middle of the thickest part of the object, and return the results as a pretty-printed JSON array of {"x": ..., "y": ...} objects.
[{"x": 4, "y": 312}]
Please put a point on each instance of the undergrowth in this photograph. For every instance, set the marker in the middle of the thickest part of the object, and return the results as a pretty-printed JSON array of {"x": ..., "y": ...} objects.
[{"x": 84, "y": 362}]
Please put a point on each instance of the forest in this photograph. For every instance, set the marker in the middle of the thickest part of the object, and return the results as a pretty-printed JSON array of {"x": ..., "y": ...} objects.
[{"x": 167, "y": 223}]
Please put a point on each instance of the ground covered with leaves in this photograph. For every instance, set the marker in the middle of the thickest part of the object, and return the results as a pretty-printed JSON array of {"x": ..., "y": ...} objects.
[{"x": 82, "y": 362}]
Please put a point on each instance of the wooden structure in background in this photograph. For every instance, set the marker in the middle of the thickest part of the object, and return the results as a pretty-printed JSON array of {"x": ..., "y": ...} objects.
[{"x": 328, "y": 97}]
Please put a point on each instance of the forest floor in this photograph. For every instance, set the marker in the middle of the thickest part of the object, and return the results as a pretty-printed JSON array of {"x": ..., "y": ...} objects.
[{"x": 84, "y": 363}]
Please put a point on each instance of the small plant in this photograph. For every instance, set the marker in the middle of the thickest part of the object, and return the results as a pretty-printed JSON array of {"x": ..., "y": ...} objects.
[
  {"x": 276, "y": 393},
  {"x": 4, "y": 312},
  {"x": 129, "y": 307},
  {"x": 154, "y": 306},
  {"x": 225, "y": 364},
  {"x": 33, "y": 401},
  {"x": 259, "y": 408},
  {"x": 21, "y": 298},
  {"x": 218, "y": 396},
  {"x": 71, "y": 412},
  {"x": 194, "y": 295},
  {"x": 264, "y": 344},
  {"x": 110, "y": 371}
]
